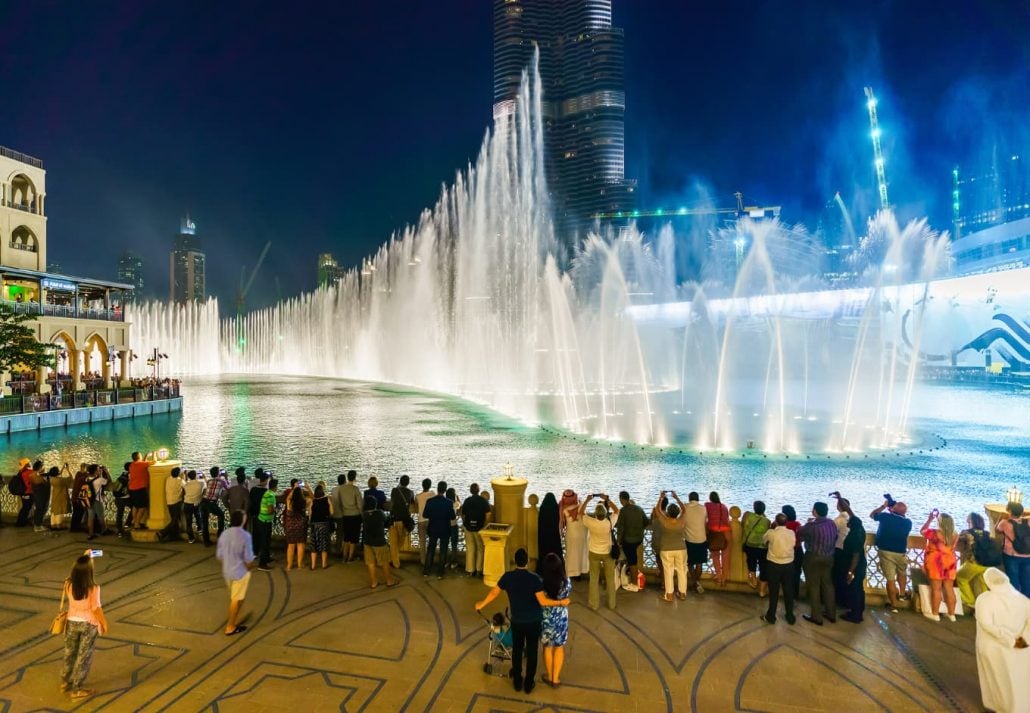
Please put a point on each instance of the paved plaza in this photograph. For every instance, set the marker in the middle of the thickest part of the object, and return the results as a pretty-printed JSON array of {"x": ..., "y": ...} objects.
[{"x": 321, "y": 641}]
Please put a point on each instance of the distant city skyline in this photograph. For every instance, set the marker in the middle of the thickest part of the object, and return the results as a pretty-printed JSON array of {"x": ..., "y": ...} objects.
[{"x": 310, "y": 150}]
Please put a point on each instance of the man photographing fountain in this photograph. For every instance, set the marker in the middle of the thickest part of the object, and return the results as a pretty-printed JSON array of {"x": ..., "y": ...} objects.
[{"x": 891, "y": 545}]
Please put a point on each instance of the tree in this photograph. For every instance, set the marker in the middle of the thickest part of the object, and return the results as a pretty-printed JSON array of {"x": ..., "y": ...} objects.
[{"x": 19, "y": 347}]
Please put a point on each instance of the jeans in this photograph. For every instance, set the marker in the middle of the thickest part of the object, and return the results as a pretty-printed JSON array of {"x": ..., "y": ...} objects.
[
  {"x": 207, "y": 509},
  {"x": 839, "y": 574},
  {"x": 525, "y": 639},
  {"x": 780, "y": 576},
  {"x": 23, "y": 512},
  {"x": 122, "y": 504},
  {"x": 192, "y": 516},
  {"x": 174, "y": 515},
  {"x": 473, "y": 552},
  {"x": 819, "y": 582},
  {"x": 41, "y": 500},
  {"x": 597, "y": 563},
  {"x": 262, "y": 542},
  {"x": 80, "y": 640},
  {"x": 79, "y": 522},
  {"x": 454, "y": 543},
  {"x": 431, "y": 552},
  {"x": 854, "y": 593},
  {"x": 1018, "y": 570}
]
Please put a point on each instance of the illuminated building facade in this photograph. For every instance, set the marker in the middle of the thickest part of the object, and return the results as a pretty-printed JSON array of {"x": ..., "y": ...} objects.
[
  {"x": 188, "y": 266},
  {"x": 584, "y": 101}
]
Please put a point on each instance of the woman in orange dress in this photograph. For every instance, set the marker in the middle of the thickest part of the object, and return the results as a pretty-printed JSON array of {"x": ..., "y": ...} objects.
[{"x": 940, "y": 563}]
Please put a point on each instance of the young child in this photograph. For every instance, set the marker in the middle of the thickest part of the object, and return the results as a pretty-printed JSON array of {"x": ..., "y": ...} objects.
[{"x": 500, "y": 631}]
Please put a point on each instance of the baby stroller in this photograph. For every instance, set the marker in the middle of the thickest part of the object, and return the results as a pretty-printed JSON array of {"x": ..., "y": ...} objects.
[{"x": 498, "y": 641}]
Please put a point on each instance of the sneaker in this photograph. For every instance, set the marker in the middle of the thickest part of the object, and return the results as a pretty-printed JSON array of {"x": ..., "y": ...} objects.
[
  {"x": 192, "y": 541},
  {"x": 699, "y": 589},
  {"x": 264, "y": 568},
  {"x": 37, "y": 529},
  {"x": 631, "y": 587},
  {"x": 933, "y": 617},
  {"x": 951, "y": 617},
  {"x": 894, "y": 610}
]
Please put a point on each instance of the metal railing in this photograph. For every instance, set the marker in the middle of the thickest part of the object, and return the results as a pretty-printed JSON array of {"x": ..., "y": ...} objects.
[
  {"x": 71, "y": 311},
  {"x": 39, "y": 403},
  {"x": 27, "y": 247},
  {"x": 19, "y": 156}
]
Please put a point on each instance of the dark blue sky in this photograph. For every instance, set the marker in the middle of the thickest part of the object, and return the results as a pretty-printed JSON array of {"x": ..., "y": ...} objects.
[{"x": 323, "y": 126}]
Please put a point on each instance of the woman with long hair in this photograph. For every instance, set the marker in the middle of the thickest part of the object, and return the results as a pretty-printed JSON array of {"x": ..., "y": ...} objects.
[
  {"x": 555, "y": 630},
  {"x": 86, "y": 621},
  {"x": 755, "y": 524},
  {"x": 576, "y": 558},
  {"x": 295, "y": 525},
  {"x": 975, "y": 544},
  {"x": 548, "y": 536},
  {"x": 321, "y": 519},
  {"x": 940, "y": 563},
  {"x": 718, "y": 535},
  {"x": 793, "y": 525}
]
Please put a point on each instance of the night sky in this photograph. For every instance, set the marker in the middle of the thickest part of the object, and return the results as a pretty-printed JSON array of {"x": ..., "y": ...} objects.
[{"x": 324, "y": 126}]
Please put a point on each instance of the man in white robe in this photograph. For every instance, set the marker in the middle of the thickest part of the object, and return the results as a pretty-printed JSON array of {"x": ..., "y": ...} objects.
[{"x": 1002, "y": 638}]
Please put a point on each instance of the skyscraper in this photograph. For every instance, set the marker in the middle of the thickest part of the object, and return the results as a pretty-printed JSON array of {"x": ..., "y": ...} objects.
[
  {"x": 329, "y": 271},
  {"x": 187, "y": 277},
  {"x": 584, "y": 101},
  {"x": 130, "y": 271}
]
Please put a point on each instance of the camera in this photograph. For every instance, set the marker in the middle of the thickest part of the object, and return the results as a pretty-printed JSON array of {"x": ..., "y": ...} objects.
[{"x": 891, "y": 502}]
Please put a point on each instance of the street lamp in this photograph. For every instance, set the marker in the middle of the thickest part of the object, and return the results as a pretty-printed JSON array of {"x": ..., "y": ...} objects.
[{"x": 1014, "y": 495}]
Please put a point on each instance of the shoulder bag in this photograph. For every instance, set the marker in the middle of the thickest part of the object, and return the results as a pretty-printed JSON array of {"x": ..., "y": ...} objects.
[{"x": 60, "y": 622}]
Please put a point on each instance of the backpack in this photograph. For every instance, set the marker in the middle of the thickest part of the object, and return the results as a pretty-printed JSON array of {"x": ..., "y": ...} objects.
[
  {"x": 120, "y": 487},
  {"x": 985, "y": 549},
  {"x": 16, "y": 486},
  {"x": 1021, "y": 536}
]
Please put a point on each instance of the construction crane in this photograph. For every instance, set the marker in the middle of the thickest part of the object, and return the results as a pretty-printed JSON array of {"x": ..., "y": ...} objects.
[
  {"x": 241, "y": 295},
  {"x": 874, "y": 131}
]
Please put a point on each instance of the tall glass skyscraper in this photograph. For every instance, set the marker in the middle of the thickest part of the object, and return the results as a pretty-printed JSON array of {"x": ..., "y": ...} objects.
[
  {"x": 584, "y": 101},
  {"x": 188, "y": 268},
  {"x": 130, "y": 271}
]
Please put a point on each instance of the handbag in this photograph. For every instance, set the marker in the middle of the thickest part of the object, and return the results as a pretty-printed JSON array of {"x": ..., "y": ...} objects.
[
  {"x": 717, "y": 541},
  {"x": 615, "y": 551},
  {"x": 60, "y": 622}
]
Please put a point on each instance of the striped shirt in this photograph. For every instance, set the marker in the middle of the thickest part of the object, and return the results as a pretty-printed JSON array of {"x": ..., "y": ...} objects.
[{"x": 819, "y": 536}]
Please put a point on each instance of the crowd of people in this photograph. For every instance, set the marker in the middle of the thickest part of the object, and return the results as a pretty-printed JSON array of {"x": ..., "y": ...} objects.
[{"x": 591, "y": 536}]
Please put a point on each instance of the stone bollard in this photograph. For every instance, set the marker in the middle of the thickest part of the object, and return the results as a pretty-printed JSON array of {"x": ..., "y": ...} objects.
[
  {"x": 157, "y": 518},
  {"x": 509, "y": 508}
]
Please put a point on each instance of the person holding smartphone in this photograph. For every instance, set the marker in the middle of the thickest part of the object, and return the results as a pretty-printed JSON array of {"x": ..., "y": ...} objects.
[
  {"x": 85, "y": 622},
  {"x": 940, "y": 563}
]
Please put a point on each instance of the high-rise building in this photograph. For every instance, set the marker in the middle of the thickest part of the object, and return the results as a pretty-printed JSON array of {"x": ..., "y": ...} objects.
[
  {"x": 996, "y": 192},
  {"x": 130, "y": 271},
  {"x": 584, "y": 101},
  {"x": 329, "y": 271},
  {"x": 187, "y": 265}
]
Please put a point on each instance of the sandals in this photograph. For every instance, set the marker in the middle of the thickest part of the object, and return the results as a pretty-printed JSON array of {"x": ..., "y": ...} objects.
[
  {"x": 238, "y": 630},
  {"x": 81, "y": 693}
]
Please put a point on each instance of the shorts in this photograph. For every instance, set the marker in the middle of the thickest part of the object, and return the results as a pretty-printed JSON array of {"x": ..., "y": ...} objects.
[
  {"x": 351, "y": 528},
  {"x": 697, "y": 553},
  {"x": 139, "y": 498},
  {"x": 892, "y": 563},
  {"x": 238, "y": 587},
  {"x": 377, "y": 556},
  {"x": 629, "y": 549}
]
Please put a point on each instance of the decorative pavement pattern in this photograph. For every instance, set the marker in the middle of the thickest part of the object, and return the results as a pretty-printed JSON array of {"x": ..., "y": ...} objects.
[{"x": 323, "y": 641}]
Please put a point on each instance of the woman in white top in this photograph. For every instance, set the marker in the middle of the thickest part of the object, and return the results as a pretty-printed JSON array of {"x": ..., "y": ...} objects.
[
  {"x": 85, "y": 621},
  {"x": 576, "y": 559}
]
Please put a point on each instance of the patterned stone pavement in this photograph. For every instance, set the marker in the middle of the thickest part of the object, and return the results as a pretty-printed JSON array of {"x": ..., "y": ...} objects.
[{"x": 321, "y": 641}]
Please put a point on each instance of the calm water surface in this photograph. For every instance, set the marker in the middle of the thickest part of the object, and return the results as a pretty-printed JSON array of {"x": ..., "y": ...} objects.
[{"x": 314, "y": 428}]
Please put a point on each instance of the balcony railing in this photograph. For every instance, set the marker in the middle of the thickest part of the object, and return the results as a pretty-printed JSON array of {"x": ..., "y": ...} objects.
[
  {"x": 70, "y": 311},
  {"x": 19, "y": 156},
  {"x": 37, "y": 403},
  {"x": 27, "y": 247}
]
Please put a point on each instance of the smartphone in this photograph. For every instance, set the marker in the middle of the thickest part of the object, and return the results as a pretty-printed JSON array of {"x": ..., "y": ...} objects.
[{"x": 96, "y": 553}]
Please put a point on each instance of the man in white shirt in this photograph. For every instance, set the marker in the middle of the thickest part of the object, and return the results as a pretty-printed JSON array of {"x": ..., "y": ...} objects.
[
  {"x": 779, "y": 562},
  {"x": 193, "y": 493},
  {"x": 599, "y": 546},
  {"x": 840, "y": 562},
  {"x": 173, "y": 496},
  {"x": 696, "y": 534}
]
